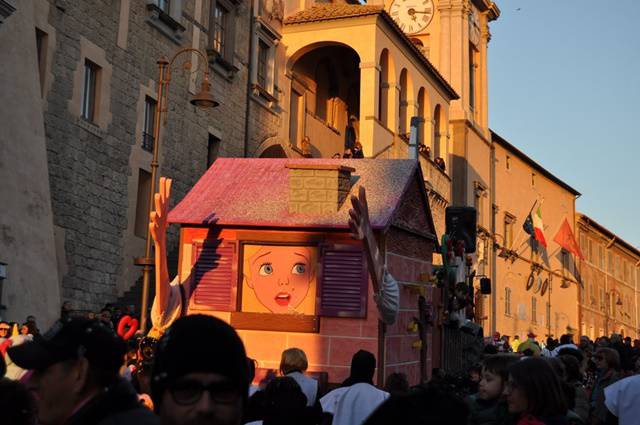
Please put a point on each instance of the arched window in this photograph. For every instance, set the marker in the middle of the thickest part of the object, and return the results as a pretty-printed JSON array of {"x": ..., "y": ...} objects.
[
  {"x": 402, "y": 110},
  {"x": 436, "y": 132},
  {"x": 383, "y": 88}
]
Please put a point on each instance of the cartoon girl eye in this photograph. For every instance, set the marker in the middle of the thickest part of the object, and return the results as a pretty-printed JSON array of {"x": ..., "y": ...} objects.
[
  {"x": 266, "y": 269},
  {"x": 299, "y": 268}
]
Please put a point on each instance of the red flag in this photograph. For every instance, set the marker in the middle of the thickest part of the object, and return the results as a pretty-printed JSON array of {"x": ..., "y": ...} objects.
[{"x": 565, "y": 239}]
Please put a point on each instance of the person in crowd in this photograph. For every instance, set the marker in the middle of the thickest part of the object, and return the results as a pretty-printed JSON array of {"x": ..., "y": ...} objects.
[
  {"x": 533, "y": 393},
  {"x": 17, "y": 406},
  {"x": 624, "y": 352},
  {"x": 357, "y": 151},
  {"x": 530, "y": 344},
  {"x": 358, "y": 397},
  {"x": 351, "y": 134},
  {"x": 566, "y": 341},
  {"x": 105, "y": 317},
  {"x": 622, "y": 400},
  {"x": 200, "y": 373},
  {"x": 286, "y": 404},
  {"x": 573, "y": 377},
  {"x": 396, "y": 384},
  {"x": 33, "y": 326},
  {"x": 607, "y": 362},
  {"x": 488, "y": 406},
  {"x": 474, "y": 376},
  {"x": 74, "y": 376},
  {"x": 506, "y": 345},
  {"x": 515, "y": 343},
  {"x": 430, "y": 404},
  {"x": 5, "y": 339},
  {"x": 294, "y": 363}
]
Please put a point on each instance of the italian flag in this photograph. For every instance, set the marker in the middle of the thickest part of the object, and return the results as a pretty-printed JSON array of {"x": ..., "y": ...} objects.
[{"x": 536, "y": 219}]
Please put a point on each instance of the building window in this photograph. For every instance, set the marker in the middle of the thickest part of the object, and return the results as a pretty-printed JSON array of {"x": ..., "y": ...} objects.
[
  {"x": 263, "y": 58},
  {"x": 508, "y": 162},
  {"x": 142, "y": 204},
  {"x": 148, "y": 131},
  {"x": 509, "y": 220},
  {"x": 601, "y": 257},
  {"x": 533, "y": 179},
  {"x": 89, "y": 94},
  {"x": 534, "y": 310},
  {"x": 213, "y": 147},
  {"x": 263, "y": 78},
  {"x": 472, "y": 76},
  {"x": 41, "y": 49},
  {"x": 583, "y": 241},
  {"x": 603, "y": 300},
  {"x": 610, "y": 262},
  {"x": 164, "y": 5},
  {"x": 219, "y": 32},
  {"x": 617, "y": 273},
  {"x": 590, "y": 251},
  {"x": 507, "y": 301},
  {"x": 478, "y": 201}
]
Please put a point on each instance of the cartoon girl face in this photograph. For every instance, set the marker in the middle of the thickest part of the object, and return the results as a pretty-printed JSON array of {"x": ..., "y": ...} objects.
[{"x": 280, "y": 276}]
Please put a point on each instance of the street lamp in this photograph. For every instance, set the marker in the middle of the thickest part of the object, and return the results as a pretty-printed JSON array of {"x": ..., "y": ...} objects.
[{"x": 202, "y": 99}]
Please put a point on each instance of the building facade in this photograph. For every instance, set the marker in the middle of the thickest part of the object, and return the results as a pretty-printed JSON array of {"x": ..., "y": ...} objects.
[
  {"x": 609, "y": 292},
  {"x": 536, "y": 287}
]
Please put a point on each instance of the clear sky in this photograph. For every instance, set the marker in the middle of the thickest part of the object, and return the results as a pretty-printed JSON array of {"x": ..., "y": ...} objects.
[{"x": 564, "y": 87}]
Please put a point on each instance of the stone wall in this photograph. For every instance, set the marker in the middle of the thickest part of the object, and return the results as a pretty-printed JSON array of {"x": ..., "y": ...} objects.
[{"x": 94, "y": 168}]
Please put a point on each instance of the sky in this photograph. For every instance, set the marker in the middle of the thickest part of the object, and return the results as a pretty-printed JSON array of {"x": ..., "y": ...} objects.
[{"x": 564, "y": 87}]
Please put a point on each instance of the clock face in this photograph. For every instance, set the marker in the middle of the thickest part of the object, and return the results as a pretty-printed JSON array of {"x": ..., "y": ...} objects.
[{"x": 412, "y": 16}]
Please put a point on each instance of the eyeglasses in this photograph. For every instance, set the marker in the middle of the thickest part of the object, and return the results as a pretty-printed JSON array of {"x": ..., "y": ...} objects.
[
  {"x": 186, "y": 392},
  {"x": 4, "y": 329}
]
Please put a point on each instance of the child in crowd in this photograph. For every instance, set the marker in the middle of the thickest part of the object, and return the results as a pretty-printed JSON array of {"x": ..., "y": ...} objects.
[{"x": 488, "y": 406}]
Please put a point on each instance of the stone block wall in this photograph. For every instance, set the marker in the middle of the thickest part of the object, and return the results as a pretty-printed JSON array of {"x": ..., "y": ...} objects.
[
  {"x": 92, "y": 175},
  {"x": 317, "y": 189}
]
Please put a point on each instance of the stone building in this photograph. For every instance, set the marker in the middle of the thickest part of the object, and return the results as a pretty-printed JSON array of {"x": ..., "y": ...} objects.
[
  {"x": 535, "y": 288},
  {"x": 89, "y": 72},
  {"x": 609, "y": 293}
]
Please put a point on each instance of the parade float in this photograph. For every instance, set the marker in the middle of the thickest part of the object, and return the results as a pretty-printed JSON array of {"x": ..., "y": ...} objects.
[{"x": 266, "y": 245}]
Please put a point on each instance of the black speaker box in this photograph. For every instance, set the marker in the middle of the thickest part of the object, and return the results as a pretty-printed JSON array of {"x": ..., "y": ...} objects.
[
  {"x": 461, "y": 225},
  {"x": 485, "y": 286}
]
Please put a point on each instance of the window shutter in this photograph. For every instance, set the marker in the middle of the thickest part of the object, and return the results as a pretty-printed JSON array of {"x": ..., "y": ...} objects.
[
  {"x": 343, "y": 281},
  {"x": 215, "y": 275}
]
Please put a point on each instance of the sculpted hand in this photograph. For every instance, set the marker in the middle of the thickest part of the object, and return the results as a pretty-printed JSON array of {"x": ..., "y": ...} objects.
[{"x": 158, "y": 218}]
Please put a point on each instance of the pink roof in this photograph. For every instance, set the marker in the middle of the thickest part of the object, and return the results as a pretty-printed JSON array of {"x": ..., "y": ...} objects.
[{"x": 254, "y": 192}]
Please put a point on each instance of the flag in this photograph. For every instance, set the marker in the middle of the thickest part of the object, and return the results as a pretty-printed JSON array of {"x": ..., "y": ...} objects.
[
  {"x": 533, "y": 226},
  {"x": 565, "y": 239}
]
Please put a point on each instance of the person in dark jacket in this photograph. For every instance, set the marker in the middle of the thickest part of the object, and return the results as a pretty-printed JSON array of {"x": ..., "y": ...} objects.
[
  {"x": 608, "y": 367},
  {"x": 74, "y": 376}
]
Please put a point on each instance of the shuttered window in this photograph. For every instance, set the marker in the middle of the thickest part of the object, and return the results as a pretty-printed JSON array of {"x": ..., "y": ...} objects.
[
  {"x": 215, "y": 275},
  {"x": 343, "y": 281}
]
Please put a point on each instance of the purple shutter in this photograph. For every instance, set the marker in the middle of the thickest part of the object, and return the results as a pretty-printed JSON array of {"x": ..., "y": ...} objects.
[
  {"x": 215, "y": 275},
  {"x": 344, "y": 281}
]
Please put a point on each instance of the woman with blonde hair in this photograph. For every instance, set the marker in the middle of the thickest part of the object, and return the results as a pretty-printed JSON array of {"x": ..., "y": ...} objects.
[{"x": 293, "y": 364}]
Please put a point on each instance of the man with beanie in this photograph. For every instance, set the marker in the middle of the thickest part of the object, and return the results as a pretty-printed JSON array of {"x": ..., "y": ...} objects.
[
  {"x": 74, "y": 376},
  {"x": 200, "y": 374},
  {"x": 358, "y": 398}
]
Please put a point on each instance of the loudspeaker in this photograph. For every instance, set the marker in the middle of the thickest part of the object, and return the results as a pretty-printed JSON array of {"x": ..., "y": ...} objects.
[
  {"x": 461, "y": 225},
  {"x": 485, "y": 286}
]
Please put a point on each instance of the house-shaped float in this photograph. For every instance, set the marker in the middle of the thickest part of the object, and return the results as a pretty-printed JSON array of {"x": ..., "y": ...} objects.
[{"x": 265, "y": 245}]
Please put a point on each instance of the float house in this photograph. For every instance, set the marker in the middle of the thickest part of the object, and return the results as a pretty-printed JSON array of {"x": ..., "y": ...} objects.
[{"x": 265, "y": 245}]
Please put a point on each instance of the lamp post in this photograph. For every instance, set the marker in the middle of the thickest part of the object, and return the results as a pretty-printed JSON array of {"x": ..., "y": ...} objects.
[
  {"x": 611, "y": 313},
  {"x": 202, "y": 99}
]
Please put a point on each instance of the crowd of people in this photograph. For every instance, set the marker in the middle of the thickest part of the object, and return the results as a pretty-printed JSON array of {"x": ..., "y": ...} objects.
[{"x": 81, "y": 372}]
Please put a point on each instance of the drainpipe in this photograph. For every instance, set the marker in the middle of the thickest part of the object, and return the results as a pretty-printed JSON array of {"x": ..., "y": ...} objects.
[
  {"x": 252, "y": 41},
  {"x": 492, "y": 271}
]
